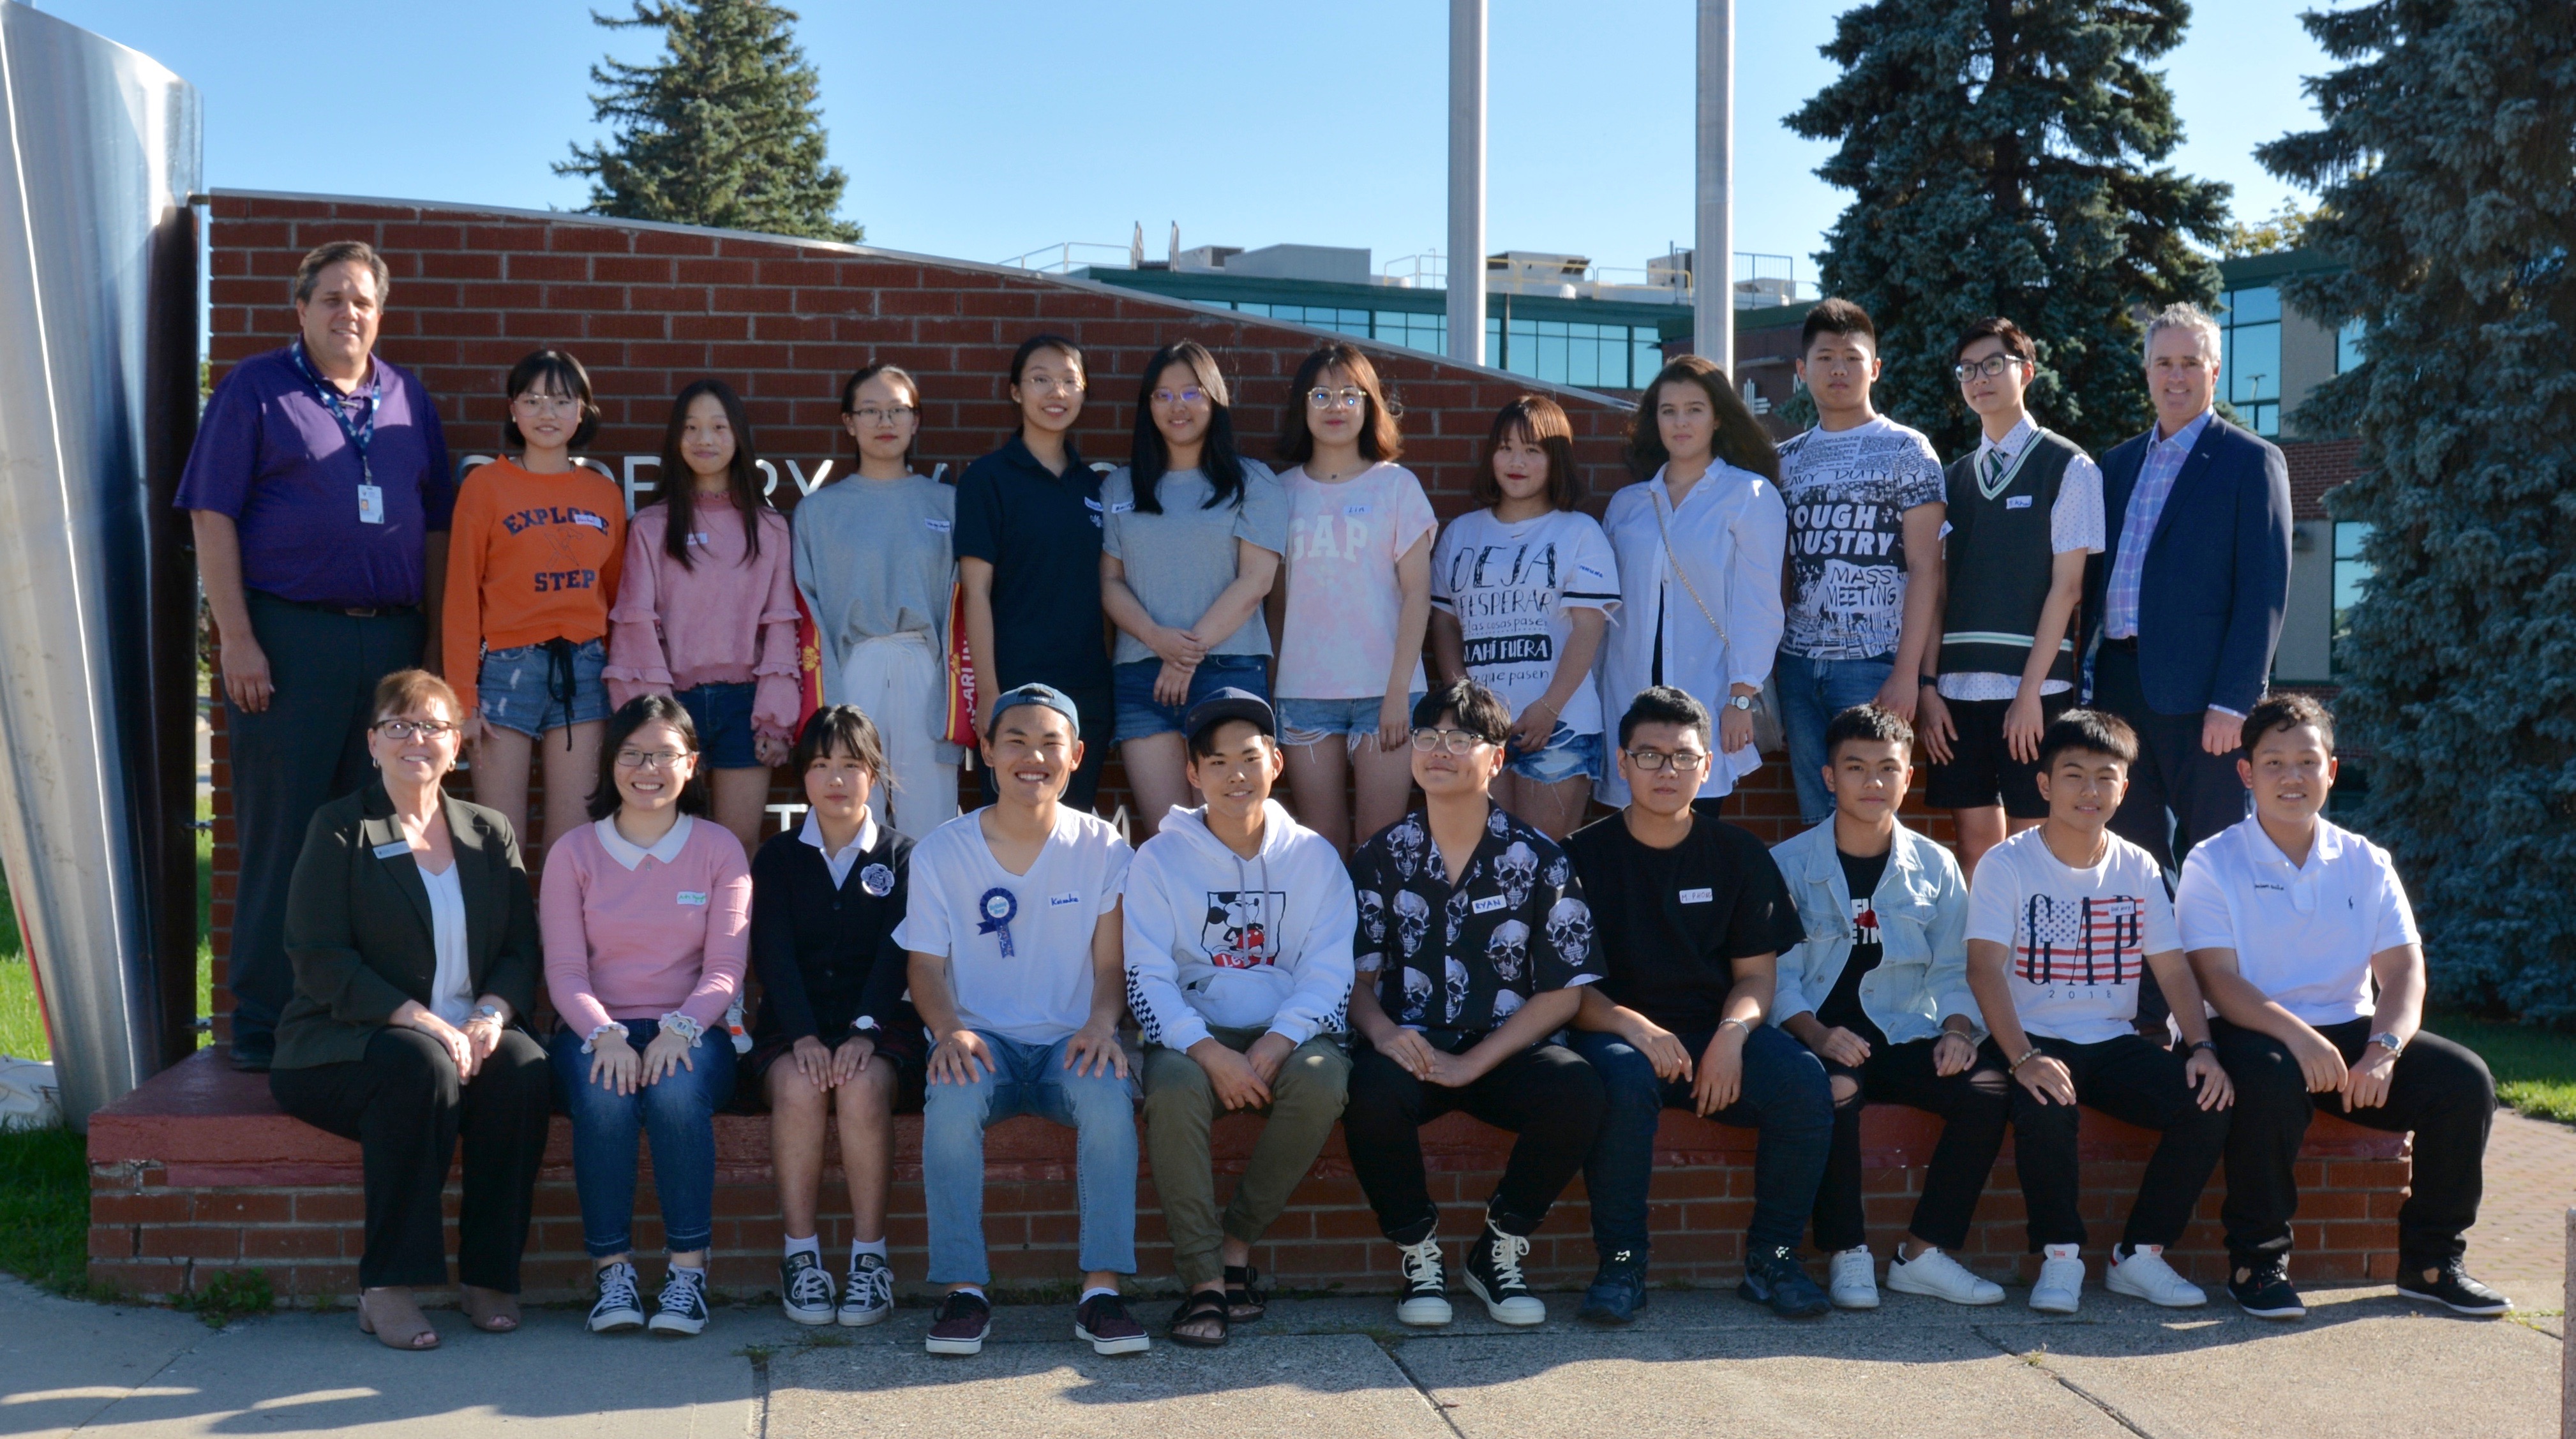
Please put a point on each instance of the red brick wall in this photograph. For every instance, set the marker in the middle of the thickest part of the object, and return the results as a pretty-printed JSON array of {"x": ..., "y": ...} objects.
[{"x": 2317, "y": 466}]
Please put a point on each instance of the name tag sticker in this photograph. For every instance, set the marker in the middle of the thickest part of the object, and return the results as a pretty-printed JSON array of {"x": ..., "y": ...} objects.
[
  {"x": 2017, "y": 502},
  {"x": 938, "y": 527},
  {"x": 2119, "y": 908},
  {"x": 585, "y": 517},
  {"x": 1699, "y": 896},
  {"x": 393, "y": 849},
  {"x": 371, "y": 504},
  {"x": 1355, "y": 509},
  {"x": 1588, "y": 572},
  {"x": 698, "y": 538},
  {"x": 1489, "y": 904},
  {"x": 1122, "y": 507},
  {"x": 1054, "y": 900},
  {"x": 693, "y": 896}
]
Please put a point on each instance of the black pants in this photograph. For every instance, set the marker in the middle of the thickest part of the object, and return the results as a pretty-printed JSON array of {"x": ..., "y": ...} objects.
[
  {"x": 1974, "y": 1109},
  {"x": 405, "y": 1107},
  {"x": 305, "y": 750},
  {"x": 2439, "y": 1090},
  {"x": 2128, "y": 1079},
  {"x": 1545, "y": 1094},
  {"x": 1099, "y": 722}
]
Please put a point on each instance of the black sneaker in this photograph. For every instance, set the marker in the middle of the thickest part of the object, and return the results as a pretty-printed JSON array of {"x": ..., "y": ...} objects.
[
  {"x": 253, "y": 1050},
  {"x": 2452, "y": 1288},
  {"x": 2262, "y": 1288},
  {"x": 1423, "y": 1302},
  {"x": 681, "y": 1309},
  {"x": 619, "y": 1308},
  {"x": 1618, "y": 1292},
  {"x": 1103, "y": 1319},
  {"x": 1779, "y": 1280},
  {"x": 1494, "y": 1275},
  {"x": 959, "y": 1324},
  {"x": 804, "y": 1290}
]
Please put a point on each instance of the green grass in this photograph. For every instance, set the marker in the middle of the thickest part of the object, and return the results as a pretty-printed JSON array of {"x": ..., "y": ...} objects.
[
  {"x": 2535, "y": 1069},
  {"x": 22, "y": 1024},
  {"x": 44, "y": 1208}
]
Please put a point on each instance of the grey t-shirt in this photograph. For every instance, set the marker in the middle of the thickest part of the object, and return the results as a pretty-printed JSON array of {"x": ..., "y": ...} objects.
[
  {"x": 873, "y": 559},
  {"x": 1179, "y": 561}
]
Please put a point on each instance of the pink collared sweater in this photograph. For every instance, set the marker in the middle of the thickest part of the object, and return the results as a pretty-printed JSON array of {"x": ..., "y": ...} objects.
[
  {"x": 640, "y": 943},
  {"x": 714, "y": 621}
]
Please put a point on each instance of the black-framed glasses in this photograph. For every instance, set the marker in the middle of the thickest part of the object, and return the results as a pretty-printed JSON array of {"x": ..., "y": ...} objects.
[
  {"x": 1689, "y": 761},
  {"x": 1456, "y": 741},
  {"x": 1989, "y": 367},
  {"x": 662, "y": 759},
  {"x": 403, "y": 729}
]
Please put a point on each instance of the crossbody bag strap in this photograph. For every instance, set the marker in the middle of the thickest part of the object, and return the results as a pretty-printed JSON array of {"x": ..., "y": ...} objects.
[{"x": 1675, "y": 561}]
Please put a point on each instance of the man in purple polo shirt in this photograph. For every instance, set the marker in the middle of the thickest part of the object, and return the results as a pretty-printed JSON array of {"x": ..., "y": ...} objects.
[{"x": 319, "y": 489}]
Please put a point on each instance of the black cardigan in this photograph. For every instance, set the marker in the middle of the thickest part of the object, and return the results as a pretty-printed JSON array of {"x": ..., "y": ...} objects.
[{"x": 825, "y": 956}]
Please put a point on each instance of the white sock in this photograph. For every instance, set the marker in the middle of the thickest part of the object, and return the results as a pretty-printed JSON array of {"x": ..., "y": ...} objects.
[
  {"x": 2065, "y": 1251},
  {"x": 975, "y": 1289},
  {"x": 858, "y": 1247},
  {"x": 810, "y": 1244},
  {"x": 1094, "y": 1291}
]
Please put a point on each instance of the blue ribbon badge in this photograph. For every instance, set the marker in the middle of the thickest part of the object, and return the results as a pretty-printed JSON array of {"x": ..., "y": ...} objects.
[{"x": 1000, "y": 907}]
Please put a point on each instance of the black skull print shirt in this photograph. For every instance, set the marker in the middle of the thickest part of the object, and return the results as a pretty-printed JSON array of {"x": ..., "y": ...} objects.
[{"x": 1464, "y": 959}]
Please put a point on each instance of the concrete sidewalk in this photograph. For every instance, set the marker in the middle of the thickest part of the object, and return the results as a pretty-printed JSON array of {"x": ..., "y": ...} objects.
[{"x": 1701, "y": 1364}]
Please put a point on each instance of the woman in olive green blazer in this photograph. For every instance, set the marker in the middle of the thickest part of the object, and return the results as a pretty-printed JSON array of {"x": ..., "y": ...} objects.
[{"x": 414, "y": 940}]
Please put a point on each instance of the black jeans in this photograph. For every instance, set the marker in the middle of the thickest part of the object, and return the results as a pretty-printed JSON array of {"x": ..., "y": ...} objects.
[
  {"x": 2439, "y": 1090},
  {"x": 1545, "y": 1094},
  {"x": 2128, "y": 1079},
  {"x": 1973, "y": 1108},
  {"x": 405, "y": 1106},
  {"x": 305, "y": 750}
]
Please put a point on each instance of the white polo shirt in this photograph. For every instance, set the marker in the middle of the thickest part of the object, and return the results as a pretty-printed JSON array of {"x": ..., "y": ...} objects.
[
  {"x": 2303, "y": 933},
  {"x": 963, "y": 905}
]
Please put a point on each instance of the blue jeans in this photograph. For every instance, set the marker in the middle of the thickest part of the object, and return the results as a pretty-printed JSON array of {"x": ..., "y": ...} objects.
[
  {"x": 1141, "y": 716},
  {"x": 1785, "y": 1097},
  {"x": 722, "y": 713},
  {"x": 678, "y": 1111},
  {"x": 1812, "y": 692},
  {"x": 1028, "y": 1079}
]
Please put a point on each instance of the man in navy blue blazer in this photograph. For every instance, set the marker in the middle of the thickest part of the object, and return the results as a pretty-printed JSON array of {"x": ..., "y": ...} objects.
[{"x": 2183, "y": 606}]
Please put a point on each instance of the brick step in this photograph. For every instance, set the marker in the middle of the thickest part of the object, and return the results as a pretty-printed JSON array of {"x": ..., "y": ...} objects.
[{"x": 198, "y": 1172}]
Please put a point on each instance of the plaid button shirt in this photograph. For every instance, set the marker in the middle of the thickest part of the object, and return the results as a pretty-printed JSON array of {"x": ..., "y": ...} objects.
[{"x": 2138, "y": 525}]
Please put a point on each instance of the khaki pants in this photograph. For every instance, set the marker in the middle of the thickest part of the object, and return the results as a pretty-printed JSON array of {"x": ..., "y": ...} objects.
[{"x": 1306, "y": 1101}]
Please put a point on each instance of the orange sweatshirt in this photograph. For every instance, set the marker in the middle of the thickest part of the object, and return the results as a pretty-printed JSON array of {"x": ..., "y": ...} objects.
[{"x": 530, "y": 558}]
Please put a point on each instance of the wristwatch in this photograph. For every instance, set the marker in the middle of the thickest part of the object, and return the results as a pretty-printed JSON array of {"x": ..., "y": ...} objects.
[
  {"x": 864, "y": 1024},
  {"x": 1739, "y": 702},
  {"x": 487, "y": 1011},
  {"x": 2390, "y": 1042}
]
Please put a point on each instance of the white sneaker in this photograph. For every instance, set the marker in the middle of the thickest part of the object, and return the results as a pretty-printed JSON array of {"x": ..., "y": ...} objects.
[
  {"x": 1424, "y": 1299},
  {"x": 1937, "y": 1274},
  {"x": 2144, "y": 1274},
  {"x": 2060, "y": 1289},
  {"x": 1853, "y": 1282}
]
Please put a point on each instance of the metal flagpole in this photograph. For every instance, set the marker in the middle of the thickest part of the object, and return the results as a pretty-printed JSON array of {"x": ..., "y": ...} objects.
[
  {"x": 1467, "y": 181},
  {"x": 1713, "y": 249}
]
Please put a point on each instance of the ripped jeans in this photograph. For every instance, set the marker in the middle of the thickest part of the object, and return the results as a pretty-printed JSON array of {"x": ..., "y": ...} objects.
[{"x": 1975, "y": 1106}]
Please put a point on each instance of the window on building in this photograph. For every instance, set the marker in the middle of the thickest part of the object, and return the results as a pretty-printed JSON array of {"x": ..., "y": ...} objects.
[
  {"x": 2348, "y": 345},
  {"x": 1414, "y": 329},
  {"x": 2351, "y": 577},
  {"x": 2249, "y": 373},
  {"x": 1573, "y": 352}
]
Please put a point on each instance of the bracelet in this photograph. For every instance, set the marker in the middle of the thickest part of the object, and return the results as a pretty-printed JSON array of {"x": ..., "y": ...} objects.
[
  {"x": 603, "y": 1029},
  {"x": 1738, "y": 1023},
  {"x": 683, "y": 1026},
  {"x": 1931, "y": 681},
  {"x": 2027, "y": 1056},
  {"x": 2209, "y": 1044}
]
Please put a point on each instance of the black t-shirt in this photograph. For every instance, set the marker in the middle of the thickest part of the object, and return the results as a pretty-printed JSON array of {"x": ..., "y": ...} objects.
[
  {"x": 1672, "y": 922},
  {"x": 1041, "y": 534},
  {"x": 1841, "y": 1008}
]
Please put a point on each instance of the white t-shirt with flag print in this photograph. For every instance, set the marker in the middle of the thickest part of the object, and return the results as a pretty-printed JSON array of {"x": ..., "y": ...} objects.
[
  {"x": 1513, "y": 589},
  {"x": 2079, "y": 937}
]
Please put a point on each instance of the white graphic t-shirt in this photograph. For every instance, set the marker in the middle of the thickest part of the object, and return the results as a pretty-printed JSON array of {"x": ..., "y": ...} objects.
[
  {"x": 1847, "y": 492},
  {"x": 2079, "y": 937},
  {"x": 1337, "y": 639},
  {"x": 1512, "y": 588}
]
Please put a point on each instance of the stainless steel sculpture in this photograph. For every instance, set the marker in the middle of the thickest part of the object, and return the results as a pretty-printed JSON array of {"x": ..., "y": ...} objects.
[{"x": 98, "y": 267}]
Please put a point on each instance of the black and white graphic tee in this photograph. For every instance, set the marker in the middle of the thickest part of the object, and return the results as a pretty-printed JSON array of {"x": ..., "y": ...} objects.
[
  {"x": 1512, "y": 588},
  {"x": 1847, "y": 492},
  {"x": 1464, "y": 959}
]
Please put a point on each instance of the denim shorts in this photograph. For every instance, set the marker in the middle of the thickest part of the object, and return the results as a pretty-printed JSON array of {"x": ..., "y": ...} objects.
[
  {"x": 527, "y": 691},
  {"x": 1140, "y": 717},
  {"x": 1314, "y": 721},
  {"x": 1568, "y": 756},
  {"x": 722, "y": 714}
]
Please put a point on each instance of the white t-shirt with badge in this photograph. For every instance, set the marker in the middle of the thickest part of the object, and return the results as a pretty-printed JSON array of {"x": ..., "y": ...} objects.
[
  {"x": 963, "y": 903},
  {"x": 2079, "y": 937},
  {"x": 2303, "y": 933},
  {"x": 1337, "y": 639},
  {"x": 1513, "y": 588}
]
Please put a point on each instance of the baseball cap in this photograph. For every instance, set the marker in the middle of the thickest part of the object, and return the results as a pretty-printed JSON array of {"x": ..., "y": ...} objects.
[
  {"x": 1047, "y": 696},
  {"x": 1230, "y": 704}
]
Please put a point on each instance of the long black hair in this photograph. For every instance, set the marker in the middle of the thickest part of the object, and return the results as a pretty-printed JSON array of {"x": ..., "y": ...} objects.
[
  {"x": 1151, "y": 457},
  {"x": 559, "y": 370},
  {"x": 630, "y": 717},
  {"x": 743, "y": 478}
]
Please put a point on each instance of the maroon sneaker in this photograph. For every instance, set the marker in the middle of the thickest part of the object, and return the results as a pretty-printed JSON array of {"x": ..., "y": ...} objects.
[
  {"x": 959, "y": 1324},
  {"x": 1103, "y": 1320}
]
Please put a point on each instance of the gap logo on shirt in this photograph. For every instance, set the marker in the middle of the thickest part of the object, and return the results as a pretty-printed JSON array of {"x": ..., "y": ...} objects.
[
  {"x": 1320, "y": 539},
  {"x": 1236, "y": 932},
  {"x": 2100, "y": 940}
]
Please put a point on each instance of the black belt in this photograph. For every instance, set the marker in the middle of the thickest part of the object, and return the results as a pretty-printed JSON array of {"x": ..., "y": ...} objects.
[
  {"x": 2130, "y": 643},
  {"x": 355, "y": 612}
]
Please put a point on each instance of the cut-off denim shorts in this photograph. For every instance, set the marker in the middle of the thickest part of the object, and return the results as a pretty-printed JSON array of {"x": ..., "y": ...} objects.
[
  {"x": 531, "y": 689},
  {"x": 1141, "y": 716},
  {"x": 1568, "y": 756},
  {"x": 722, "y": 713},
  {"x": 1304, "y": 721}
]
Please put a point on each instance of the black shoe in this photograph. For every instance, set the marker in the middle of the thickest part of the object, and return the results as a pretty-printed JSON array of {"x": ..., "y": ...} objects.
[
  {"x": 2450, "y": 1287},
  {"x": 253, "y": 1050},
  {"x": 1618, "y": 1292},
  {"x": 1779, "y": 1280},
  {"x": 1494, "y": 1275},
  {"x": 959, "y": 1324},
  {"x": 2262, "y": 1288}
]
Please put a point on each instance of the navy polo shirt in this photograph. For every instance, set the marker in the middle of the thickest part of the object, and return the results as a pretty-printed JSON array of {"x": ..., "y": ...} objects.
[{"x": 1041, "y": 534}]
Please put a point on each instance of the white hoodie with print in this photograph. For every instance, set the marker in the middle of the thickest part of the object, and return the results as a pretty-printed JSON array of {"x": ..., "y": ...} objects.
[{"x": 1217, "y": 939}]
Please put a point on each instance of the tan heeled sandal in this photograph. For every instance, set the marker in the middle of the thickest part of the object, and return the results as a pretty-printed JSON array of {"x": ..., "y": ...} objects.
[
  {"x": 490, "y": 1310},
  {"x": 394, "y": 1317}
]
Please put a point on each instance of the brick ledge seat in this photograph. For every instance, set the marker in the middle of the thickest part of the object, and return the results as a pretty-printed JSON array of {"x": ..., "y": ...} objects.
[{"x": 198, "y": 1172}]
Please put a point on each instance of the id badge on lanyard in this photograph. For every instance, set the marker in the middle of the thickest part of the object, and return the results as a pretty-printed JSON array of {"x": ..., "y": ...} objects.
[{"x": 371, "y": 496}]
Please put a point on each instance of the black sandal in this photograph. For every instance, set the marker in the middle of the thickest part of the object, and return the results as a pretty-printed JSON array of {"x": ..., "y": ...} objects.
[
  {"x": 1202, "y": 1304},
  {"x": 1245, "y": 1299}
]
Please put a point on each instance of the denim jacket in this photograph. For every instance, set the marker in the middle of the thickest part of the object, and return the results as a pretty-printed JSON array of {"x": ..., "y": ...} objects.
[{"x": 1922, "y": 904}]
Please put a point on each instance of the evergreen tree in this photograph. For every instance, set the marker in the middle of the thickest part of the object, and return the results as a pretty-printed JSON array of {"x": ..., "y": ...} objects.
[
  {"x": 721, "y": 130},
  {"x": 1996, "y": 154},
  {"x": 2450, "y": 204}
]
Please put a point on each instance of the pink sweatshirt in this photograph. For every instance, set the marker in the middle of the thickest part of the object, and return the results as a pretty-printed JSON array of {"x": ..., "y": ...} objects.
[
  {"x": 636, "y": 934},
  {"x": 717, "y": 622}
]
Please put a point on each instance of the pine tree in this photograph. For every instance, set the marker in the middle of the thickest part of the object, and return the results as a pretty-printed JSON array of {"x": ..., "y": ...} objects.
[
  {"x": 721, "y": 130},
  {"x": 2450, "y": 204},
  {"x": 1996, "y": 154}
]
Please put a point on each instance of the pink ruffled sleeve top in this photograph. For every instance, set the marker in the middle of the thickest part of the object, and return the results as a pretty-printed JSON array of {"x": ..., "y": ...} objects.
[{"x": 716, "y": 620}]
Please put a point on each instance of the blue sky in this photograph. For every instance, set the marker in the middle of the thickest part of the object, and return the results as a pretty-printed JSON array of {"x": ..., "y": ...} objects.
[{"x": 991, "y": 127}]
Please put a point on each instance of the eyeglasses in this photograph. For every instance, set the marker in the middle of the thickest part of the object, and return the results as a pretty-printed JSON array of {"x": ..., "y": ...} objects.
[
  {"x": 647, "y": 759},
  {"x": 402, "y": 729},
  {"x": 1320, "y": 398},
  {"x": 871, "y": 415},
  {"x": 536, "y": 404},
  {"x": 1456, "y": 741},
  {"x": 1688, "y": 761},
  {"x": 1179, "y": 397},
  {"x": 1989, "y": 367},
  {"x": 1042, "y": 384}
]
